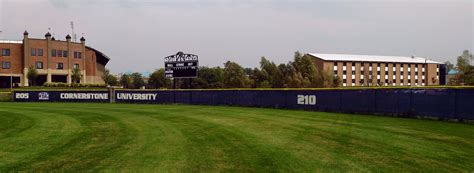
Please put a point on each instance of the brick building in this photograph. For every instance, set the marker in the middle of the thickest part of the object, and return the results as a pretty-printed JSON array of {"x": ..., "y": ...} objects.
[
  {"x": 372, "y": 70},
  {"x": 53, "y": 59}
]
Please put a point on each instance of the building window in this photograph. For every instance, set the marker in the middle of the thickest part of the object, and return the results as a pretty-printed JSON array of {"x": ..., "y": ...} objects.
[
  {"x": 60, "y": 53},
  {"x": 386, "y": 65},
  {"x": 353, "y": 64},
  {"x": 40, "y": 52},
  {"x": 5, "y": 52},
  {"x": 378, "y": 64},
  {"x": 402, "y": 81},
  {"x": 370, "y": 64},
  {"x": 76, "y": 66},
  {"x": 386, "y": 72},
  {"x": 362, "y": 81},
  {"x": 6, "y": 65},
  {"x": 33, "y": 52},
  {"x": 335, "y": 63},
  {"x": 78, "y": 55},
  {"x": 353, "y": 72},
  {"x": 53, "y": 53},
  {"x": 362, "y": 63},
  {"x": 409, "y": 72},
  {"x": 353, "y": 81},
  {"x": 401, "y": 73},
  {"x": 344, "y": 64},
  {"x": 344, "y": 80},
  {"x": 59, "y": 66},
  {"x": 65, "y": 54},
  {"x": 39, "y": 65},
  {"x": 394, "y": 81},
  {"x": 344, "y": 72},
  {"x": 378, "y": 72}
]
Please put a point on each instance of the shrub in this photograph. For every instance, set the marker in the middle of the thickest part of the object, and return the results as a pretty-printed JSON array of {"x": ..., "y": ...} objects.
[{"x": 74, "y": 85}]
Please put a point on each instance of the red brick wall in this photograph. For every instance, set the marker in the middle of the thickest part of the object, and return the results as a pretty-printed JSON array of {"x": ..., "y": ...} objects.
[{"x": 15, "y": 58}]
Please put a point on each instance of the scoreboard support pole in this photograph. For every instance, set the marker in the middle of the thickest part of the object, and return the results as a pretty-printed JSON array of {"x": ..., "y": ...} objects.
[{"x": 174, "y": 83}]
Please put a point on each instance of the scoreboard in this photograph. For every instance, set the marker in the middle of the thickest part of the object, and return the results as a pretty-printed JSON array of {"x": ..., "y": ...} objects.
[{"x": 181, "y": 65}]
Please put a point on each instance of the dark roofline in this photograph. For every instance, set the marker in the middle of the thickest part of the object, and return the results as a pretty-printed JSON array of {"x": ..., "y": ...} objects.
[{"x": 101, "y": 57}]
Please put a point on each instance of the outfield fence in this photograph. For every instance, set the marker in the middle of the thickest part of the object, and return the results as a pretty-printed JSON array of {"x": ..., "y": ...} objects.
[{"x": 438, "y": 103}]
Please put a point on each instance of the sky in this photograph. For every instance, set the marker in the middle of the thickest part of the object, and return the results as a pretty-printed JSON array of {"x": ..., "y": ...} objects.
[{"x": 138, "y": 34}]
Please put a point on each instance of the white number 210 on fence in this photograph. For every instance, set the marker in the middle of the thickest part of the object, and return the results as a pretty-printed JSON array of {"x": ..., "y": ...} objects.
[{"x": 306, "y": 99}]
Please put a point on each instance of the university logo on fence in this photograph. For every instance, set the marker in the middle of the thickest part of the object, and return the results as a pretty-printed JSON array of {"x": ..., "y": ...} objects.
[{"x": 43, "y": 96}]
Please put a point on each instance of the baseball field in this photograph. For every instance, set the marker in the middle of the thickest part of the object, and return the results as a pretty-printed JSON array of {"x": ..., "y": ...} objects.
[{"x": 74, "y": 137}]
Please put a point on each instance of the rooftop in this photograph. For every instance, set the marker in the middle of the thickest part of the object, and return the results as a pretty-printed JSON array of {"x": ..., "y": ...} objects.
[
  {"x": 12, "y": 41},
  {"x": 372, "y": 58},
  {"x": 453, "y": 72}
]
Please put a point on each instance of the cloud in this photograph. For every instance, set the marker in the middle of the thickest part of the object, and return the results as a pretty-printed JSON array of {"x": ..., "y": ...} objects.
[{"x": 143, "y": 32}]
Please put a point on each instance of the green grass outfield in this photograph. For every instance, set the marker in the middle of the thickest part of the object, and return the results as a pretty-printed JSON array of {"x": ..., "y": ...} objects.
[{"x": 70, "y": 137}]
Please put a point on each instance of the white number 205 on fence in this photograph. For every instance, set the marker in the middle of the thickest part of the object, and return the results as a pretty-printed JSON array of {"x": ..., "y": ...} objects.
[{"x": 306, "y": 99}]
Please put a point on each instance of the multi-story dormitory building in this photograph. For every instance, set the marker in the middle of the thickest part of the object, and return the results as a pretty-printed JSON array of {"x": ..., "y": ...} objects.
[
  {"x": 53, "y": 59},
  {"x": 372, "y": 70}
]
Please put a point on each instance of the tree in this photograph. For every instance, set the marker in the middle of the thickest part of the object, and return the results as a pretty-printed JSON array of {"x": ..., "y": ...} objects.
[
  {"x": 274, "y": 77},
  {"x": 465, "y": 69},
  {"x": 449, "y": 66},
  {"x": 126, "y": 81},
  {"x": 308, "y": 70},
  {"x": 32, "y": 75},
  {"x": 234, "y": 76},
  {"x": 137, "y": 80},
  {"x": 76, "y": 75},
  {"x": 259, "y": 79},
  {"x": 328, "y": 78},
  {"x": 109, "y": 79},
  {"x": 336, "y": 82},
  {"x": 158, "y": 79},
  {"x": 209, "y": 78}
]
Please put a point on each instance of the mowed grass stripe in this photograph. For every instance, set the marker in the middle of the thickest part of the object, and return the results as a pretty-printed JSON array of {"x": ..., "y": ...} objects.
[
  {"x": 44, "y": 131},
  {"x": 96, "y": 138},
  {"x": 179, "y": 138}
]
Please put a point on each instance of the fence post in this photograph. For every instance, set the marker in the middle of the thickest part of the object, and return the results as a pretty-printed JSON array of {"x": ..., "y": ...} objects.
[{"x": 112, "y": 95}]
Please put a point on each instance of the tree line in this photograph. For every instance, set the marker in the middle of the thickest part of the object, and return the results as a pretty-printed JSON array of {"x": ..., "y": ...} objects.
[
  {"x": 299, "y": 73},
  {"x": 464, "y": 67}
]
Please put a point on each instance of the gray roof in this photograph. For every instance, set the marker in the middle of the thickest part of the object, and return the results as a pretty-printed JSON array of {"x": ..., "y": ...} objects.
[{"x": 372, "y": 58}]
